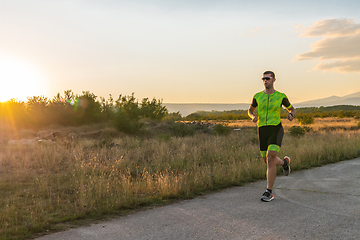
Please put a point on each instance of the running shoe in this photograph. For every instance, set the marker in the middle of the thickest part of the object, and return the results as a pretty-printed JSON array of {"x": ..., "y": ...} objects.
[
  {"x": 286, "y": 166},
  {"x": 267, "y": 196}
]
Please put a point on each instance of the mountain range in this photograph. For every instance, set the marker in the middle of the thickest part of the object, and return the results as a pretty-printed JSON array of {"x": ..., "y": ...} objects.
[
  {"x": 188, "y": 108},
  {"x": 352, "y": 99}
]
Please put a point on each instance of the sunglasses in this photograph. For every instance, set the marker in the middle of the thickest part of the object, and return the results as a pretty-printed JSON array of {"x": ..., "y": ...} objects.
[{"x": 266, "y": 78}]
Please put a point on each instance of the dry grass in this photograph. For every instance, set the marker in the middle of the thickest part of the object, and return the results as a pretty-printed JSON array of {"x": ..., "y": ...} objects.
[
  {"x": 320, "y": 124},
  {"x": 46, "y": 184}
]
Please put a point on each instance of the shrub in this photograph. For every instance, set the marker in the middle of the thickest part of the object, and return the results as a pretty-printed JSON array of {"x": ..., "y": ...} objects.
[
  {"x": 220, "y": 129},
  {"x": 305, "y": 119},
  {"x": 345, "y": 113},
  {"x": 307, "y": 129},
  {"x": 296, "y": 131},
  {"x": 129, "y": 105},
  {"x": 124, "y": 123},
  {"x": 88, "y": 109},
  {"x": 129, "y": 112},
  {"x": 172, "y": 117},
  {"x": 153, "y": 109},
  {"x": 182, "y": 130}
]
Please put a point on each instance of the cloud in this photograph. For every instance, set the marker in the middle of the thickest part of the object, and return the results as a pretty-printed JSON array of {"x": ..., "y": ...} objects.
[
  {"x": 341, "y": 42},
  {"x": 299, "y": 28},
  {"x": 340, "y": 66},
  {"x": 332, "y": 28},
  {"x": 334, "y": 48}
]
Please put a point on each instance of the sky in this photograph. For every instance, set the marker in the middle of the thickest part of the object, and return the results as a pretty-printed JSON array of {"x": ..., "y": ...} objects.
[{"x": 188, "y": 51}]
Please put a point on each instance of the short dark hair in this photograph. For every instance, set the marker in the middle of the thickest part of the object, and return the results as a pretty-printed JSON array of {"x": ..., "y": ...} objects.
[{"x": 270, "y": 72}]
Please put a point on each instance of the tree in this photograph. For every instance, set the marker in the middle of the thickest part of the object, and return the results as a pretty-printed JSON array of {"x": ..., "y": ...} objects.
[
  {"x": 87, "y": 108},
  {"x": 13, "y": 114},
  {"x": 62, "y": 109},
  {"x": 128, "y": 112},
  {"x": 37, "y": 111},
  {"x": 107, "y": 107},
  {"x": 129, "y": 106},
  {"x": 175, "y": 116},
  {"x": 153, "y": 109}
]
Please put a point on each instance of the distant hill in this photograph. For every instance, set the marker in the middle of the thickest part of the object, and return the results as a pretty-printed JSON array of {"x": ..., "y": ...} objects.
[
  {"x": 352, "y": 99},
  {"x": 188, "y": 108}
]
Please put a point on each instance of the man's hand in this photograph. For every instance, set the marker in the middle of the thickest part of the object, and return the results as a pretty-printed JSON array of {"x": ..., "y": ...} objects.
[
  {"x": 290, "y": 117},
  {"x": 255, "y": 119},
  {"x": 291, "y": 114}
]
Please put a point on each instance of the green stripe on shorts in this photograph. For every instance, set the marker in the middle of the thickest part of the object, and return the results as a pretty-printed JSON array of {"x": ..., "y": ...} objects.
[
  {"x": 263, "y": 153},
  {"x": 273, "y": 147}
]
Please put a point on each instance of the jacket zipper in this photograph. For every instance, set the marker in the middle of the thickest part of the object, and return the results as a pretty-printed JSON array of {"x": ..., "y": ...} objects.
[{"x": 267, "y": 109}]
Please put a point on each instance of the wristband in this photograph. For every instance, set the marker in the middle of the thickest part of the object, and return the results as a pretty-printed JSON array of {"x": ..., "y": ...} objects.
[{"x": 291, "y": 114}]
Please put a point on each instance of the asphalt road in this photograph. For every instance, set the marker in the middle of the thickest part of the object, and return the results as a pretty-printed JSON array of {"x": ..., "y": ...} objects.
[{"x": 321, "y": 203}]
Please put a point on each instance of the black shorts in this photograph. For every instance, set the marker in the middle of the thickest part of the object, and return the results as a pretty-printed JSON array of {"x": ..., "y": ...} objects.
[{"x": 270, "y": 138}]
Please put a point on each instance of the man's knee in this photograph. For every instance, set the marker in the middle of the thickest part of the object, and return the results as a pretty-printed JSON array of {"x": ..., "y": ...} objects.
[{"x": 272, "y": 155}]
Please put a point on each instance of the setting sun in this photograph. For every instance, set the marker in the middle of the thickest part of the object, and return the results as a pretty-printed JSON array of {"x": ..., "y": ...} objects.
[{"x": 19, "y": 79}]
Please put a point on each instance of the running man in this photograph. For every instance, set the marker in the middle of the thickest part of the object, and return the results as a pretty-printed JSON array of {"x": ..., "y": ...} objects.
[{"x": 271, "y": 132}]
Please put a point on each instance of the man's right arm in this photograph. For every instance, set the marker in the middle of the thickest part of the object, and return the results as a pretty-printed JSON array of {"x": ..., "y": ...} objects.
[{"x": 251, "y": 114}]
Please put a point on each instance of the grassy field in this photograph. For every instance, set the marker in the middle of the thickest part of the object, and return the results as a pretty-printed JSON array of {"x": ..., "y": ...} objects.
[{"x": 49, "y": 186}]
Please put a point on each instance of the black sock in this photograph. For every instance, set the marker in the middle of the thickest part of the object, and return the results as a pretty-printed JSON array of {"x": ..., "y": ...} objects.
[{"x": 269, "y": 190}]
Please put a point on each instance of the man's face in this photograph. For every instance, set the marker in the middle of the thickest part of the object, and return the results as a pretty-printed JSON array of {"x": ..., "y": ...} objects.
[{"x": 268, "y": 81}]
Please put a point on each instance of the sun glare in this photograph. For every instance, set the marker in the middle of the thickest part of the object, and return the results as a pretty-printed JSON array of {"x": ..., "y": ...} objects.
[{"x": 19, "y": 79}]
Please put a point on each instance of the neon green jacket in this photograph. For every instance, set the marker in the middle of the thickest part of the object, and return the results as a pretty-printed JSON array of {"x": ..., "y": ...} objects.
[{"x": 269, "y": 107}]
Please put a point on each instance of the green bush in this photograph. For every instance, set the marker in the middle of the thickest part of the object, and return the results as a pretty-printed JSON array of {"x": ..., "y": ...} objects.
[
  {"x": 124, "y": 123},
  {"x": 172, "y": 117},
  {"x": 88, "y": 109},
  {"x": 220, "y": 129},
  {"x": 345, "y": 113},
  {"x": 129, "y": 113},
  {"x": 297, "y": 131},
  {"x": 305, "y": 119},
  {"x": 130, "y": 106},
  {"x": 307, "y": 129},
  {"x": 153, "y": 109},
  {"x": 182, "y": 130}
]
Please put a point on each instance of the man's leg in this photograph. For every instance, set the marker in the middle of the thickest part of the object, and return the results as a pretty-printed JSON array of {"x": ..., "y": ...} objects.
[{"x": 272, "y": 161}]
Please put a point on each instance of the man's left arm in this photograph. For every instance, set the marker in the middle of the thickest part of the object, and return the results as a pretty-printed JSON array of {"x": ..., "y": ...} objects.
[
  {"x": 290, "y": 109},
  {"x": 291, "y": 114}
]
